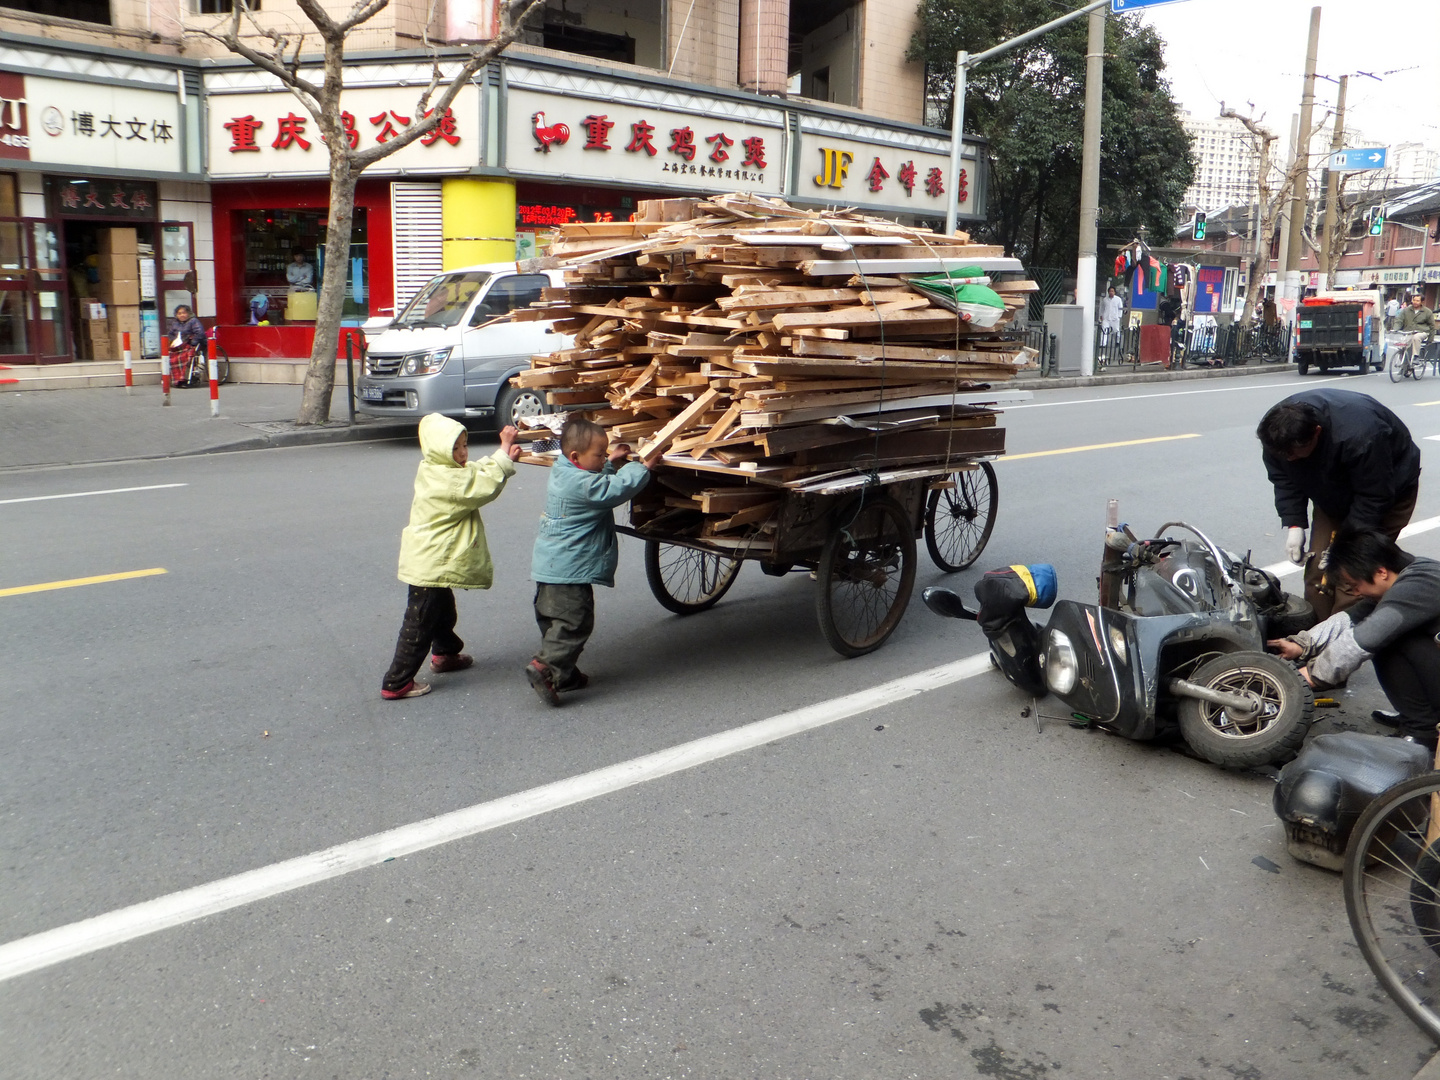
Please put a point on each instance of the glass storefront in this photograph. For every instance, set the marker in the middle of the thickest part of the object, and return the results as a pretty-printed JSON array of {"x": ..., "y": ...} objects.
[{"x": 285, "y": 254}]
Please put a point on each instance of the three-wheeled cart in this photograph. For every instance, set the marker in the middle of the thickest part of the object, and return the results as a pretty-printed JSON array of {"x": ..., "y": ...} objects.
[{"x": 856, "y": 533}]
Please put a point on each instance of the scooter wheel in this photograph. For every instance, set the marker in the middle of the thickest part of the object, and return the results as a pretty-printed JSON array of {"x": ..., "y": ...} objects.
[{"x": 1273, "y": 735}]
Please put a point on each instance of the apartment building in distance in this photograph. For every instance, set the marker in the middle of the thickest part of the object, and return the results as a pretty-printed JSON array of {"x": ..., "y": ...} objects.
[
  {"x": 1227, "y": 165},
  {"x": 124, "y": 112}
]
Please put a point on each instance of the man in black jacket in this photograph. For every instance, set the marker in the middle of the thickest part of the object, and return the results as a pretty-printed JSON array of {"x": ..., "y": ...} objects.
[
  {"x": 1392, "y": 623},
  {"x": 1350, "y": 457}
]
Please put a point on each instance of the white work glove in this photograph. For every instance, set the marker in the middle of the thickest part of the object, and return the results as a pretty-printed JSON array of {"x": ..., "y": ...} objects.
[{"x": 1295, "y": 544}]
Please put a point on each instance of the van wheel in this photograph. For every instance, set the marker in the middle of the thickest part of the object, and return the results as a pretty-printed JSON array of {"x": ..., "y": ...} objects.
[{"x": 517, "y": 401}]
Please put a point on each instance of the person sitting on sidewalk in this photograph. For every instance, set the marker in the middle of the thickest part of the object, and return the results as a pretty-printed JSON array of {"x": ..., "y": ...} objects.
[
  {"x": 1393, "y": 624},
  {"x": 444, "y": 547}
]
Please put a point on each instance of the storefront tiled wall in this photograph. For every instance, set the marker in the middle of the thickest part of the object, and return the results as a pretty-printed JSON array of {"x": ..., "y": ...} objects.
[{"x": 191, "y": 202}]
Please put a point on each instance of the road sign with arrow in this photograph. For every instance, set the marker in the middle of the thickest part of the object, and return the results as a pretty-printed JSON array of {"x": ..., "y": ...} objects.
[{"x": 1372, "y": 157}]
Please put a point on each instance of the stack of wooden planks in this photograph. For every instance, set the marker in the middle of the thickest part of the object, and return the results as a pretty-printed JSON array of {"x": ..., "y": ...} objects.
[{"x": 742, "y": 336}]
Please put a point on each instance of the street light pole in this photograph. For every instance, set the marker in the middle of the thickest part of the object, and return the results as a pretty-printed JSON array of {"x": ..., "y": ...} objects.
[{"x": 963, "y": 62}]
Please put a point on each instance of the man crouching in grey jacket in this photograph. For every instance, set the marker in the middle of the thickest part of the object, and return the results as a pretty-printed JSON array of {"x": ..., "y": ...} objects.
[{"x": 1393, "y": 624}]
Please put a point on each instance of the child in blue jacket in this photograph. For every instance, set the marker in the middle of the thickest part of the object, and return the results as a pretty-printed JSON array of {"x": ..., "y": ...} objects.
[{"x": 576, "y": 549}]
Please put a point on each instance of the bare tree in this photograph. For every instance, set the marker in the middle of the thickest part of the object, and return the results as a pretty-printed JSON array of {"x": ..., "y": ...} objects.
[
  {"x": 1330, "y": 249},
  {"x": 280, "y": 56},
  {"x": 1271, "y": 196}
]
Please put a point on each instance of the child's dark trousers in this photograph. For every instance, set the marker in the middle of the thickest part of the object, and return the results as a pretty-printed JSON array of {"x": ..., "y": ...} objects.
[
  {"x": 566, "y": 617},
  {"x": 429, "y": 626}
]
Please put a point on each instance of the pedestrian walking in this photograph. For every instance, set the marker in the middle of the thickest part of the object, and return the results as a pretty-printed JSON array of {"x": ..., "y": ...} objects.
[
  {"x": 1392, "y": 312},
  {"x": 1350, "y": 459},
  {"x": 1392, "y": 623},
  {"x": 443, "y": 548},
  {"x": 577, "y": 549},
  {"x": 1111, "y": 309}
]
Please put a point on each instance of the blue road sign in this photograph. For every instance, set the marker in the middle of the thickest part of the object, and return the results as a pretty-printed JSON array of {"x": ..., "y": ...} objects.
[
  {"x": 1134, "y": 5},
  {"x": 1370, "y": 157}
]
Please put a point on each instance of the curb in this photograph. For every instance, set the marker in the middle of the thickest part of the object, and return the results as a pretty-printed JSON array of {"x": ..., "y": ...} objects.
[{"x": 1124, "y": 378}]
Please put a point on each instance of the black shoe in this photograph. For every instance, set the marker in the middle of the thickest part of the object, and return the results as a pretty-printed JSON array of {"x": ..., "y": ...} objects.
[{"x": 1385, "y": 718}]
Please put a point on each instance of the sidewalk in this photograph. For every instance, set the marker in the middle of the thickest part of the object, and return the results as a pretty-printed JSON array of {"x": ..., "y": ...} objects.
[
  {"x": 75, "y": 426},
  {"x": 67, "y": 427}
]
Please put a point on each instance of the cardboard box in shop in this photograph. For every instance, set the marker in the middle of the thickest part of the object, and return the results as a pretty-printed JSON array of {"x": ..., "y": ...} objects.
[
  {"x": 95, "y": 342},
  {"x": 121, "y": 267},
  {"x": 93, "y": 310},
  {"x": 124, "y": 320},
  {"x": 119, "y": 242},
  {"x": 119, "y": 293}
]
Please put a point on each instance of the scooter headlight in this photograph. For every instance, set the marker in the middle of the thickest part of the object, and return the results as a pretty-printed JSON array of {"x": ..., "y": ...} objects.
[
  {"x": 1061, "y": 668},
  {"x": 1118, "y": 645},
  {"x": 426, "y": 363}
]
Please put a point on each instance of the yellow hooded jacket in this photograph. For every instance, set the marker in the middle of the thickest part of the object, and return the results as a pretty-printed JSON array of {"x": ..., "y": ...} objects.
[{"x": 444, "y": 545}]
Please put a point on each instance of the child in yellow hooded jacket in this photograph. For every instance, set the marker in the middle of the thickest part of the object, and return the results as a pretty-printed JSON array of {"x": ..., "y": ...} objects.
[{"x": 443, "y": 548}]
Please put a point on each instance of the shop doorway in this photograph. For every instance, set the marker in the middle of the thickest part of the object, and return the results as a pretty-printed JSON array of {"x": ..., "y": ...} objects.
[{"x": 33, "y": 324}]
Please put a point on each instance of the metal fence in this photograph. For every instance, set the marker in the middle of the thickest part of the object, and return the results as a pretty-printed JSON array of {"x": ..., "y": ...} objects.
[{"x": 1204, "y": 346}]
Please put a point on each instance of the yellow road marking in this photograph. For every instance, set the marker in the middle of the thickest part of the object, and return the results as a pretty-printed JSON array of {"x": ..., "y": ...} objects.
[
  {"x": 46, "y": 586},
  {"x": 1098, "y": 446}
]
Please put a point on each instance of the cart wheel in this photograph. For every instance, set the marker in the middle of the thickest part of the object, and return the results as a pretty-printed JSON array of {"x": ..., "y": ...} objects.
[
  {"x": 866, "y": 572},
  {"x": 959, "y": 520},
  {"x": 685, "y": 580}
]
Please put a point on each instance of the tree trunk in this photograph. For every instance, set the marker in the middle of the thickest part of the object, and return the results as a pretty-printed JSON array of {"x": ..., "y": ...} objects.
[{"x": 320, "y": 375}]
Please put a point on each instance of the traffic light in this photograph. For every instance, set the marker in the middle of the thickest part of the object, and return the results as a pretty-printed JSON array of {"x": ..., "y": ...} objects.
[
  {"x": 1376, "y": 216},
  {"x": 1199, "y": 225}
]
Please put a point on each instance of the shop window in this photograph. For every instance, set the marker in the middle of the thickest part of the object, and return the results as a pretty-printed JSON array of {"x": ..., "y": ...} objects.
[
  {"x": 284, "y": 252},
  {"x": 91, "y": 11},
  {"x": 825, "y": 49},
  {"x": 219, "y": 7},
  {"x": 9, "y": 200},
  {"x": 625, "y": 31}
]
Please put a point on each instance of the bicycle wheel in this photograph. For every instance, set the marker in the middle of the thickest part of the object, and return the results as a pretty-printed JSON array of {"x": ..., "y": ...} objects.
[
  {"x": 866, "y": 572},
  {"x": 1395, "y": 364},
  {"x": 222, "y": 363},
  {"x": 1417, "y": 368},
  {"x": 1392, "y": 895},
  {"x": 685, "y": 580},
  {"x": 959, "y": 520}
]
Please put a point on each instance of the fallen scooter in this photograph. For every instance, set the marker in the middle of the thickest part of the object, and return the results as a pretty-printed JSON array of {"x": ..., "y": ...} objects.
[{"x": 1177, "y": 641}]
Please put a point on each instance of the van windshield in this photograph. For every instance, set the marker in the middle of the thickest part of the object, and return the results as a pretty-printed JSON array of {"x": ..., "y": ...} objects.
[{"x": 443, "y": 301}]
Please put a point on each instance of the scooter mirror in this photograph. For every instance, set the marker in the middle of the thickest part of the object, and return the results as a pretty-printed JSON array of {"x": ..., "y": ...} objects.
[{"x": 945, "y": 603}]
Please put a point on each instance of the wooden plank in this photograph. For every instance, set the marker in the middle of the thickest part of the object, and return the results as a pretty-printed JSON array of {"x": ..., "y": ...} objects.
[
  {"x": 789, "y": 298},
  {"x": 868, "y": 351},
  {"x": 746, "y": 517},
  {"x": 860, "y": 318},
  {"x": 730, "y": 500},
  {"x": 653, "y": 448},
  {"x": 719, "y": 430},
  {"x": 996, "y": 262}
]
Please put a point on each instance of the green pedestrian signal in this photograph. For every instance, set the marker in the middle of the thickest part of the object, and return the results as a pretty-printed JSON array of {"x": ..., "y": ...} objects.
[
  {"x": 1199, "y": 233},
  {"x": 1377, "y": 220}
]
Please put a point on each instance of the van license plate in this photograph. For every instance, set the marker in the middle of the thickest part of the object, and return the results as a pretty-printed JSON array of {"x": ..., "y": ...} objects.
[{"x": 372, "y": 393}]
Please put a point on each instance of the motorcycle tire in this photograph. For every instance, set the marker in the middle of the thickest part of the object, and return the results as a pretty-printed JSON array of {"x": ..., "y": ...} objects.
[
  {"x": 1298, "y": 615},
  {"x": 1272, "y": 738}
]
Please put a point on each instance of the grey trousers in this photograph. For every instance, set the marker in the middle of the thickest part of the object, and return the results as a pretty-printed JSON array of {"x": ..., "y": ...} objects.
[{"x": 566, "y": 617}]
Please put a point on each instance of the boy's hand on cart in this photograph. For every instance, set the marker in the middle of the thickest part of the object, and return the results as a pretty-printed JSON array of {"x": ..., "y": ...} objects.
[
  {"x": 619, "y": 453},
  {"x": 508, "y": 444}
]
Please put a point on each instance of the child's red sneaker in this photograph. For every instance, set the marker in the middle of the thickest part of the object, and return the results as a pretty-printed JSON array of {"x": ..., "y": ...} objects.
[
  {"x": 410, "y": 689},
  {"x": 542, "y": 682},
  {"x": 458, "y": 662}
]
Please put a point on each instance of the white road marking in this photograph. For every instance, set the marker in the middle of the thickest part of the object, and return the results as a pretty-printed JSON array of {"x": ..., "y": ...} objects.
[
  {"x": 1180, "y": 393},
  {"x": 82, "y": 494},
  {"x": 1415, "y": 528},
  {"x": 126, "y": 924}
]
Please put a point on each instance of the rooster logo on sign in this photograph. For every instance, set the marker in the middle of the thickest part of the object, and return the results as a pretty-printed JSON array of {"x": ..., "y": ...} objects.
[{"x": 557, "y": 134}]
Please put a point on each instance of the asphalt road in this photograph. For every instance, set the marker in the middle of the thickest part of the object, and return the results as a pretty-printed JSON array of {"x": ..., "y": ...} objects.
[{"x": 926, "y": 888}]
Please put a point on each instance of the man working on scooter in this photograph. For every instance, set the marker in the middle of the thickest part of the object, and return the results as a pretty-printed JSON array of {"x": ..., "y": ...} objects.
[
  {"x": 1393, "y": 622},
  {"x": 1349, "y": 456}
]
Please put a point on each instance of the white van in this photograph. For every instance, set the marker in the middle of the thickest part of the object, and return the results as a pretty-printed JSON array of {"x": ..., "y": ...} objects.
[{"x": 446, "y": 353}]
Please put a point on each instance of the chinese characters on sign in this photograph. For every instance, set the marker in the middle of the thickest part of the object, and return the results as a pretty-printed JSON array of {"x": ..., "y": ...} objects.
[
  {"x": 835, "y": 166},
  {"x": 74, "y": 197},
  {"x": 291, "y": 131}
]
